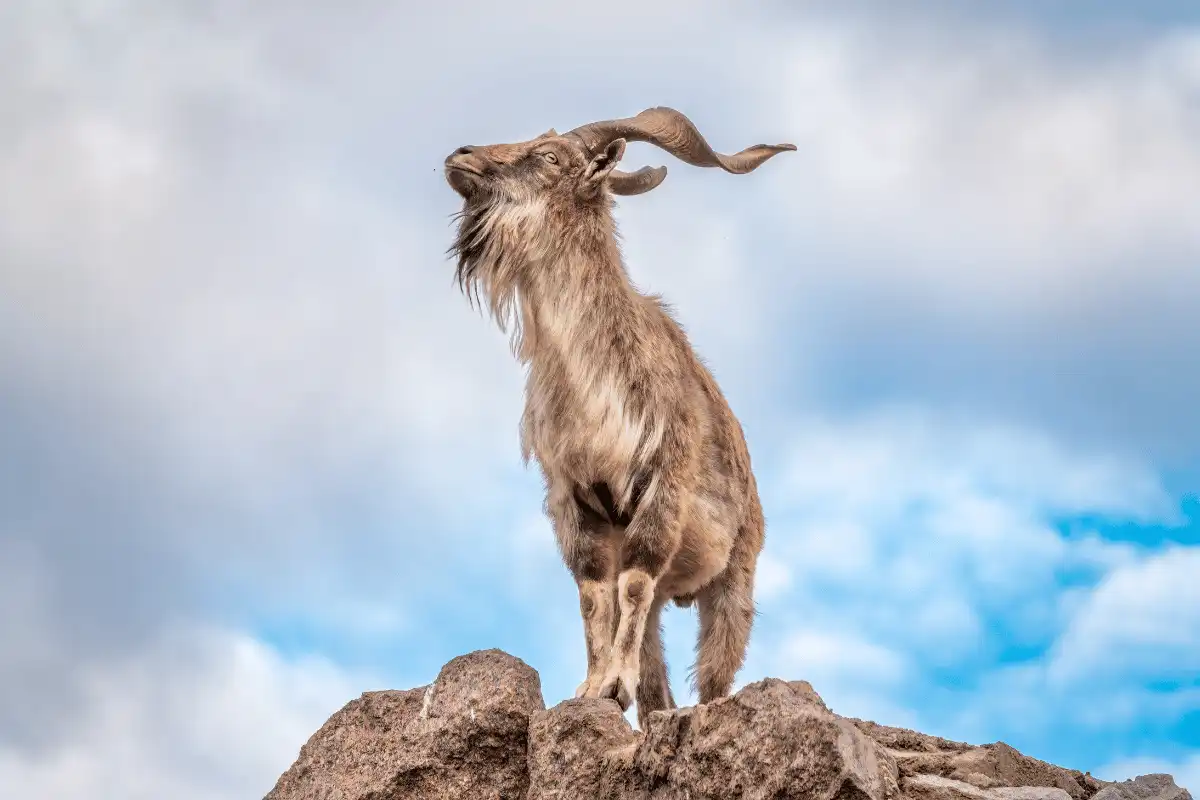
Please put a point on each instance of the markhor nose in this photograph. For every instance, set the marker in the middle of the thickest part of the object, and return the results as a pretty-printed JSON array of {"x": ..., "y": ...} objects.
[{"x": 465, "y": 150}]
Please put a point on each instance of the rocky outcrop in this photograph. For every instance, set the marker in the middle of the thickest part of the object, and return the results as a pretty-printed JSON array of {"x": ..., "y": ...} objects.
[
  {"x": 463, "y": 736},
  {"x": 481, "y": 731},
  {"x": 1147, "y": 787}
]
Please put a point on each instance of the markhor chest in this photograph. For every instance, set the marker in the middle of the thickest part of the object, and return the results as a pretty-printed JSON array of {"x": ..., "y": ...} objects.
[{"x": 584, "y": 423}]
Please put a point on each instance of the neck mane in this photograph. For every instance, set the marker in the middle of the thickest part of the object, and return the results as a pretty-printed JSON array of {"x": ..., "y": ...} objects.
[{"x": 544, "y": 275}]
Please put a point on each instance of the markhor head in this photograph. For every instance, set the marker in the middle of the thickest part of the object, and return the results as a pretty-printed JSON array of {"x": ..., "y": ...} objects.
[
  {"x": 523, "y": 199},
  {"x": 581, "y": 163}
]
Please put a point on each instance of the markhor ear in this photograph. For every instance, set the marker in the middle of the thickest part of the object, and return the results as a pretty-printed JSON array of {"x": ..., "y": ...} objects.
[{"x": 603, "y": 163}]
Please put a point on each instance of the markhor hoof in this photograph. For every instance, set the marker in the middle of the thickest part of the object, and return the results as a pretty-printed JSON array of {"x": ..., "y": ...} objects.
[{"x": 615, "y": 689}]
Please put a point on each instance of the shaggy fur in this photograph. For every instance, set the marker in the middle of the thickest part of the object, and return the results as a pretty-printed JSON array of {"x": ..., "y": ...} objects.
[{"x": 647, "y": 474}]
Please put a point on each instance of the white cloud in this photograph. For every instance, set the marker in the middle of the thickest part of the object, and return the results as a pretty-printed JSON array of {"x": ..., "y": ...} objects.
[
  {"x": 979, "y": 216},
  {"x": 24, "y": 592},
  {"x": 1142, "y": 620},
  {"x": 838, "y": 656},
  {"x": 887, "y": 460},
  {"x": 262, "y": 310},
  {"x": 855, "y": 676},
  {"x": 993, "y": 156},
  {"x": 202, "y": 714},
  {"x": 705, "y": 276},
  {"x": 952, "y": 519},
  {"x": 934, "y": 543},
  {"x": 771, "y": 578},
  {"x": 1020, "y": 703}
]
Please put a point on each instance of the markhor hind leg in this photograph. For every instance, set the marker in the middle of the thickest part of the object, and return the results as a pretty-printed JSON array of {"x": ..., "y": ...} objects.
[{"x": 726, "y": 617}]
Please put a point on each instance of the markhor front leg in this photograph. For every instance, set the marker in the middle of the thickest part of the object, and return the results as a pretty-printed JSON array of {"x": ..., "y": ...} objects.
[
  {"x": 650, "y": 543},
  {"x": 635, "y": 591},
  {"x": 588, "y": 549},
  {"x": 597, "y": 607}
]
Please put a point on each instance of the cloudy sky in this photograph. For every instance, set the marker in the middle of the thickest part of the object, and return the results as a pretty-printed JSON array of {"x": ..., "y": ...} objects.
[{"x": 260, "y": 456}]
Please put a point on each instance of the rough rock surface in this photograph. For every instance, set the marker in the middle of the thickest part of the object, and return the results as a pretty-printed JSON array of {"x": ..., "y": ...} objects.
[
  {"x": 987, "y": 767},
  {"x": 572, "y": 747},
  {"x": 481, "y": 730},
  {"x": 1146, "y": 787},
  {"x": 463, "y": 736}
]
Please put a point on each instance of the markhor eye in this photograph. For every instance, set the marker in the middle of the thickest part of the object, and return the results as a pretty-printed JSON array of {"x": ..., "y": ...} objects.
[{"x": 553, "y": 159}]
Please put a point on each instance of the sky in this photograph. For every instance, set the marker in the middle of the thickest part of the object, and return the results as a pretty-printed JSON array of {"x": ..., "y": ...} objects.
[{"x": 260, "y": 455}]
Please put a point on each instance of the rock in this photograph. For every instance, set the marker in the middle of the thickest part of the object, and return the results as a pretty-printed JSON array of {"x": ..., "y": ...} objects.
[
  {"x": 481, "y": 730},
  {"x": 909, "y": 741},
  {"x": 994, "y": 765},
  {"x": 933, "y": 787},
  {"x": 356, "y": 751},
  {"x": 1146, "y": 787},
  {"x": 569, "y": 746},
  {"x": 462, "y": 736},
  {"x": 772, "y": 739}
]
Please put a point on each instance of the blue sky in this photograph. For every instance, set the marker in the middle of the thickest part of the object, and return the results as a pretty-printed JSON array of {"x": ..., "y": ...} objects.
[{"x": 263, "y": 457}]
